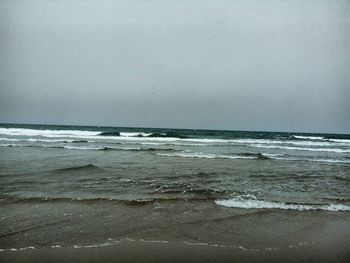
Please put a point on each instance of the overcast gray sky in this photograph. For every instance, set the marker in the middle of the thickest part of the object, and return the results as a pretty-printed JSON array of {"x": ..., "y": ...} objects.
[{"x": 241, "y": 65}]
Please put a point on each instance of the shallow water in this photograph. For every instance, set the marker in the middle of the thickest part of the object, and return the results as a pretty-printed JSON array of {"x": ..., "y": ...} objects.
[
  {"x": 90, "y": 187},
  {"x": 235, "y": 169}
]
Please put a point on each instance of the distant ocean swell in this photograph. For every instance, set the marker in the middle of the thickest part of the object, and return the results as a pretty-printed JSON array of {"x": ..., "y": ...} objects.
[
  {"x": 301, "y": 140},
  {"x": 177, "y": 144},
  {"x": 254, "y": 156},
  {"x": 104, "y": 148},
  {"x": 182, "y": 154},
  {"x": 139, "y": 166}
]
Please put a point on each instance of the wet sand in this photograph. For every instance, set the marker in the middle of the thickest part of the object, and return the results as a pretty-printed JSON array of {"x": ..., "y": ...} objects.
[
  {"x": 169, "y": 231},
  {"x": 140, "y": 251}
]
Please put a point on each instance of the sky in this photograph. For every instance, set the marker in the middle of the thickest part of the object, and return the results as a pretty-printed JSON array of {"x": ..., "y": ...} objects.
[{"x": 273, "y": 65}]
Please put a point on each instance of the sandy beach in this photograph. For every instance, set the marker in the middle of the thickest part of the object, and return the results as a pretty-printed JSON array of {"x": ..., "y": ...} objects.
[
  {"x": 139, "y": 251},
  {"x": 170, "y": 232}
]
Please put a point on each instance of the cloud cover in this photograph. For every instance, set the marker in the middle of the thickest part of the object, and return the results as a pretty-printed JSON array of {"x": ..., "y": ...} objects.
[{"x": 241, "y": 65}]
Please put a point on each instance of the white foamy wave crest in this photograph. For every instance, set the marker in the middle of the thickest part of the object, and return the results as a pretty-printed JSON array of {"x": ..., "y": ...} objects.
[
  {"x": 46, "y": 140},
  {"x": 273, "y": 155},
  {"x": 47, "y": 133},
  {"x": 168, "y": 140},
  {"x": 134, "y": 134},
  {"x": 174, "y": 143},
  {"x": 73, "y": 147},
  {"x": 81, "y": 148},
  {"x": 340, "y": 140},
  {"x": 103, "y": 148},
  {"x": 258, "y": 204},
  {"x": 278, "y": 142},
  {"x": 10, "y": 139},
  {"x": 329, "y": 161},
  {"x": 336, "y": 150},
  {"x": 204, "y": 155},
  {"x": 54, "y": 140},
  {"x": 313, "y": 143},
  {"x": 308, "y": 137}
]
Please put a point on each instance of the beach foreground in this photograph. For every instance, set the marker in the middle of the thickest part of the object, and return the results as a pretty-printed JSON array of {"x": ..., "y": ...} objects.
[
  {"x": 104, "y": 194},
  {"x": 169, "y": 231},
  {"x": 138, "y": 251}
]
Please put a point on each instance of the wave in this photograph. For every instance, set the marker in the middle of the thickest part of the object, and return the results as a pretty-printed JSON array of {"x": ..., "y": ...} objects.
[
  {"x": 136, "y": 149},
  {"x": 315, "y": 160},
  {"x": 10, "y": 139},
  {"x": 179, "y": 153},
  {"x": 174, "y": 143},
  {"x": 131, "y": 202},
  {"x": 33, "y": 132},
  {"x": 308, "y": 137},
  {"x": 43, "y": 140},
  {"x": 107, "y": 148},
  {"x": 325, "y": 161},
  {"x": 336, "y": 150},
  {"x": 212, "y": 156},
  {"x": 152, "y": 135},
  {"x": 292, "y": 142},
  {"x": 196, "y": 142},
  {"x": 12, "y": 145},
  {"x": 109, "y": 134},
  {"x": 251, "y": 156},
  {"x": 203, "y": 195},
  {"x": 168, "y": 135},
  {"x": 76, "y": 168},
  {"x": 78, "y": 141},
  {"x": 340, "y": 140},
  {"x": 158, "y": 149},
  {"x": 258, "y": 204},
  {"x": 262, "y": 156},
  {"x": 104, "y": 148},
  {"x": 220, "y": 142},
  {"x": 134, "y": 134},
  {"x": 128, "y": 136}
]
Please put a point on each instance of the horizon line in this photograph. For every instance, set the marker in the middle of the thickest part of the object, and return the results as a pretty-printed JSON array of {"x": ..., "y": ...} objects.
[{"x": 201, "y": 129}]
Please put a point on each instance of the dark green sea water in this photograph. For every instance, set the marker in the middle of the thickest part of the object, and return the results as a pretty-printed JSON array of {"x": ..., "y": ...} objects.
[
  {"x": 232, "y": 168},
  {"x": 251, "y": 193}
]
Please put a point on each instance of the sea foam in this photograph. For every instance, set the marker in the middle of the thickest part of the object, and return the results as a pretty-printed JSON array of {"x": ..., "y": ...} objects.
[
  {"x": 308, "y": 137},
  {"x": 33, "y": 132},
  {"x": 259, "y": 204},
  {"x": 205, "y": 155},
  {"x": 336, "y": 150}
]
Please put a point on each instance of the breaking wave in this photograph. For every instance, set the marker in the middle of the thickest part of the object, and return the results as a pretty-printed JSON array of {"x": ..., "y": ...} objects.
[
  {"x": 43, "y": 140},
  {"x": 131, "y": 202},
  {"x": 134, "y": 134},
  {"x": 258, "y": 204},
  {"x": 213, "y": 156},
  {"x": 168, "y": 135},
  {"x": 143, "y": 134},
  {"x": 340, "y": 140},
  {"x": 308, "y": 137},
  {"x": 48, "y": 133},
  {"x": 336, "y": 150},
  {"x": 104, "y": 148}
]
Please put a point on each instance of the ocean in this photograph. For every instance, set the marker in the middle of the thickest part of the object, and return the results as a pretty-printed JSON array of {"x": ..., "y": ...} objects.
[{"x": 59, "y": 185}]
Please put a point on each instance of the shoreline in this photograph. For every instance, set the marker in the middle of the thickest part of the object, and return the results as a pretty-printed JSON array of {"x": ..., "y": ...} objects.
[
  {"x": 199, "y": 231},
  {"x": 161, "y": 251}
]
